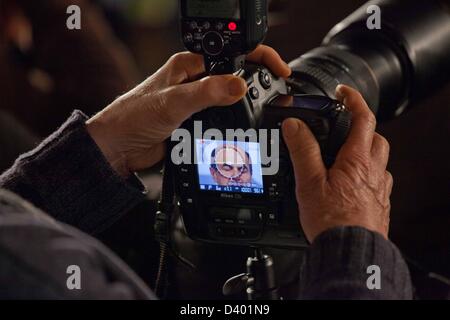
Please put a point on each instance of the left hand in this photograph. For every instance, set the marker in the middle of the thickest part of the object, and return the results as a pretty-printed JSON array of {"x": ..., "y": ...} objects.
[{"x": 131, "y": 131}]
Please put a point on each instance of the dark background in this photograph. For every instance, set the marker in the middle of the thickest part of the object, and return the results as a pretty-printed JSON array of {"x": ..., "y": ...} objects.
[{"x": 89, "y": 77}]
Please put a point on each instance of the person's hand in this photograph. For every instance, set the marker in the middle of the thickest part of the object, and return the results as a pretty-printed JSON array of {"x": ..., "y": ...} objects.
[
  {"x": 356, "y": 190},
  {"x": 131, "y": 131}
]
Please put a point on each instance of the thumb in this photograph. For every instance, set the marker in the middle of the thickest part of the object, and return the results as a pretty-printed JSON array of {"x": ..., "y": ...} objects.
[
  {"x": 304, "y": 151},
  {"x": 186, "y": 99}
]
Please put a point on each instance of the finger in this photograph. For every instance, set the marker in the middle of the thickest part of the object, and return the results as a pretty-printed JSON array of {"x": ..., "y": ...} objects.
[
  {"x": 185, "y": 66},
  {"x": 269, "y": 57},
  {"x": 380, "y": 151},
  {"x": 182, "y": 101},
  {"x": 363, "y": 122},
  {"x": 182, "y": 67},
  {"x": 305, "y": 153}
]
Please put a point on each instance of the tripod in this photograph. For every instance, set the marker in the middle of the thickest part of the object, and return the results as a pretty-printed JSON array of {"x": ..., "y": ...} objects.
[{"x": 259, "y": 280}]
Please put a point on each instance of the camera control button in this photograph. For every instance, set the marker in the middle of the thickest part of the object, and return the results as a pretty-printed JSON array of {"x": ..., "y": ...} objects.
[
  {"x": 243, "y": 233},
  {"x": 213, "y": 43},
  {"x": 188, "y": 38},
  {"x": 254, "y": 93},
  {"x": 259, "y": 20},
  {"x": 197, "y": 47},
  {"x": 220, "y": 26},
  {"x": 272, "y": 219},
  {"x": 260, "y": 216},
  {"x": 193, "y": 25},
  {"x": 185, "y": 170},
  {"x": 265, "y": 79},
  {"x": 185, "y": 185},
  {"x": 206, "y": 25}
]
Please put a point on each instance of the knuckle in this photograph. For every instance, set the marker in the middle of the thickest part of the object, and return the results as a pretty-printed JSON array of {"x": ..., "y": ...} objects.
[
  {"x": 370, "y": 118},
  {"x": 210, "y": 89},
  {"x": 386, "y": 147},
  {"x": 389, "y": 178},
  {"x": 207, "y": 85},
  {"x": 381, "y": 144},
  {"x": 177, "y": 58}
]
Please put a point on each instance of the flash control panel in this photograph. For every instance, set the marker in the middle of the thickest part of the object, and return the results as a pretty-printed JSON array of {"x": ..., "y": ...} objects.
[{"x": 212, "y": 38}]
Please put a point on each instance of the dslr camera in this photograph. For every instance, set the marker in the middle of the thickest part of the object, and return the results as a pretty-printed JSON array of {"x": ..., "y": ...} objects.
[
  {"x": 221, "y": 191},
  {"x": 239, "y": 188}
]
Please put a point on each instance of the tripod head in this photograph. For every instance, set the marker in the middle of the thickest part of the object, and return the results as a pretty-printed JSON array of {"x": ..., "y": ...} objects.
[{"x": 258, "y": 282}]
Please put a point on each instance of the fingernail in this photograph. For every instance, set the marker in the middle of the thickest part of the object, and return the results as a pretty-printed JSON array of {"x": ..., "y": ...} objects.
[
  {"x": 291, "y": 127},
  {"x": 340, "y": 92},
  {"x": 236, "y": 87}
]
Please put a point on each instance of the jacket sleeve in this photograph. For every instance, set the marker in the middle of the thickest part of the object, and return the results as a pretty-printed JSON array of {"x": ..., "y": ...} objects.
[
  {"x": 68, "y": 177},
  {"x": 354, "y": 263}
]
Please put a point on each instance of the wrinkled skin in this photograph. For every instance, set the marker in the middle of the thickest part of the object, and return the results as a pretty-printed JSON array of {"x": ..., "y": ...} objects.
[
  {"x": 356, "y": 190},
  {"x": 132, "y": 130}
]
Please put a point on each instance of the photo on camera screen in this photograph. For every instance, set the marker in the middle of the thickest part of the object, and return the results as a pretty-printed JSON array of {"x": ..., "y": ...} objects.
[
  {"x": 229, "y": 166},
  {"x": 223, "y": 9}
]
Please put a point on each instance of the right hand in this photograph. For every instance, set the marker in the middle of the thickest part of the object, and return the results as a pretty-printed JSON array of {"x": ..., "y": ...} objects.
[
  {"x": 131, "y": 131},
  {"x": 356, "y": 190}
]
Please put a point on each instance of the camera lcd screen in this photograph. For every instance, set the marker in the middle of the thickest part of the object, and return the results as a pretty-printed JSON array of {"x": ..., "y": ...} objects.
[
  {"x": 229, "y": 166},
  {"x": 221, "y": 9}
]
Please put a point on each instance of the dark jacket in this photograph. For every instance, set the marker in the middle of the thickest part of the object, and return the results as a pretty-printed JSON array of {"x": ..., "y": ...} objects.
[{"x": 67, "y": 177}]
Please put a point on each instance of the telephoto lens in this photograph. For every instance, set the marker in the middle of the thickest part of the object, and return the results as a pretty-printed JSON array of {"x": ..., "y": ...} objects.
[{"x": 391, "y": 65}]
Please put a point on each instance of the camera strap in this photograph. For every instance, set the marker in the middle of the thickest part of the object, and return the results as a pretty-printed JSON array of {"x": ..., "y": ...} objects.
[
  {"x": 165, "y": 206},
  {"x": 162, "y": 226}
]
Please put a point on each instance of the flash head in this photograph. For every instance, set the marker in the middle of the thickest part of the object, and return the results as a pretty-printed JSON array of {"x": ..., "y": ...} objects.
[{"x": 223, "y": 31}]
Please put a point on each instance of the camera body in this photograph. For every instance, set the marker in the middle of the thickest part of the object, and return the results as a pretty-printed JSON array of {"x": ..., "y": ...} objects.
[
  {"x": 245, "y": 207},
  {"x": 223, "y": 31},
  {"x": 240, "y": 189}
]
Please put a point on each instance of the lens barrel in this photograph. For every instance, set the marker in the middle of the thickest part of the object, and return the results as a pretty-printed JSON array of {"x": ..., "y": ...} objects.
[{"x": 392, "y": 66}]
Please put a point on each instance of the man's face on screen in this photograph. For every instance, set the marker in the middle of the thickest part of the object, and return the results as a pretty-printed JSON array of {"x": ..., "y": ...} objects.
[{"x": 232, "y": 166}]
